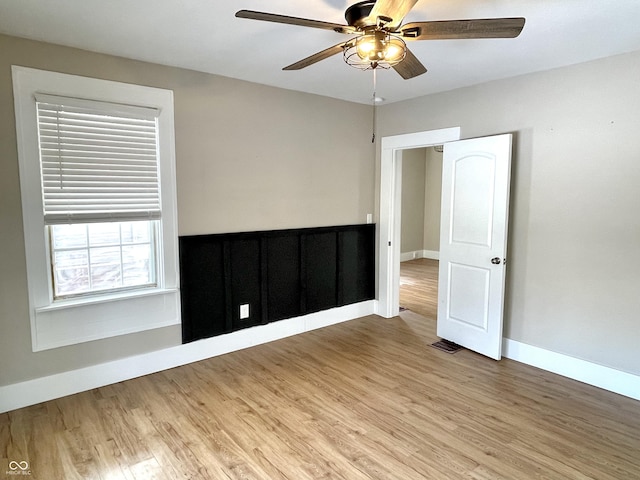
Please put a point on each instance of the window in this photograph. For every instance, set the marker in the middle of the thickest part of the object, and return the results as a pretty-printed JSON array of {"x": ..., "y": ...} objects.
[
  {"x": 98, "y": 162},
  {"x": 101, "y": 257},
  {"x": 97, "y": 175}
]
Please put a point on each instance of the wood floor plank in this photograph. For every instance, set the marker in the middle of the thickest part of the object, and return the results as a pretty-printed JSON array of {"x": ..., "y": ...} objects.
[
  {"x": 419, "y": 286},
  {"x": 366, "y": 399}
]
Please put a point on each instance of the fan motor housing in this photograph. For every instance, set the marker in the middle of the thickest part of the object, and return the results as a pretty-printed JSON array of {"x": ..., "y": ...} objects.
[{"x": 356, "y": 13}]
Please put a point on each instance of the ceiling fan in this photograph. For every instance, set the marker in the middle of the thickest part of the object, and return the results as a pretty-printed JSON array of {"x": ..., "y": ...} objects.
[{"x": 379, "y": 36}]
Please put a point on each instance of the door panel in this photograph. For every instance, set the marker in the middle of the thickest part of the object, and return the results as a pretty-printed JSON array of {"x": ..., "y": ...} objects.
[
  {"x": 472, "y": 201},
  {"x": 468, "y": 295},
  {"x": 475, "y": 200}
]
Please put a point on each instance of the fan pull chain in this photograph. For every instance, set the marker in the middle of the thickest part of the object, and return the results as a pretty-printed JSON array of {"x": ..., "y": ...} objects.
[{"x": 373, "y": 136}]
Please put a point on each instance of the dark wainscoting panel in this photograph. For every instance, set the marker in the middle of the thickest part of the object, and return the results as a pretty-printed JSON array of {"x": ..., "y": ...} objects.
[
  {"x": 203, "y": 299},
  {"x": 279, "y": 274},
  {"x": 284, "y": 286},
  {"x": 246, "y": 281},
  {"x": 357, "y": 269},
  {"x": 320, "y": 260}
]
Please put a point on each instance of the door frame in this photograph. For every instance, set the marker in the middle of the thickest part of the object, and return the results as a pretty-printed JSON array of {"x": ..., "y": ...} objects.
[{"x": 390, "y": 204}]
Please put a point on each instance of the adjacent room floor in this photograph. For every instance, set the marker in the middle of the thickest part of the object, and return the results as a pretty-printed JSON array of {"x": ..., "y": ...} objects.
[
  {"x": 365, "y": 399},
  {"x": 419, "y": 286}
]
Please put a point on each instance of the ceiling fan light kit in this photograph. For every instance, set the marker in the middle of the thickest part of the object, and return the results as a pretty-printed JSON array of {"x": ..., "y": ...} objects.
[
  {"x": 375, "y": 49},
  {"x": 380, "y": 38}
]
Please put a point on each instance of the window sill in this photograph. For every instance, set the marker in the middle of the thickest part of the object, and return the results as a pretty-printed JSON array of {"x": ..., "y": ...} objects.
[
  {"x": 83, "y": 320},
  {"x": 104, "y": 298}
]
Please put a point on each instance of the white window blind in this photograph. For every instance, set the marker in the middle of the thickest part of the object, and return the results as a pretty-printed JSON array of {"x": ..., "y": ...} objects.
[{"x": 99, "y": 161}]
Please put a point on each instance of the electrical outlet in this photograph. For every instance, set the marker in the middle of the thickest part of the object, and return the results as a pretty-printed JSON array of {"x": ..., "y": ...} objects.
[{"x": 244, "y": 311}]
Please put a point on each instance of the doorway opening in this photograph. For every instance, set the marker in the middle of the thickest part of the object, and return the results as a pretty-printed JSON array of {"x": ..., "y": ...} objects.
[
  {"x": 390, "y": 210},
  {"x": 420, "y": 230}
]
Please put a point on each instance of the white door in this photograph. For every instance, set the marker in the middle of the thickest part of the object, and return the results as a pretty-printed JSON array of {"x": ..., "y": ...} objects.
[{"x": 473, "y": 242}]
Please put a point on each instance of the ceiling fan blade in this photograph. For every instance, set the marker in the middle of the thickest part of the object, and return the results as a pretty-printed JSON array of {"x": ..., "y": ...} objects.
[
  {"x": 394, "y": 9},
  {"x": 303, "y": 22},
  {"x": 410, "y": 67},
  {"x": 316, "y": 57},
  {"x": 454, "y": 29}
]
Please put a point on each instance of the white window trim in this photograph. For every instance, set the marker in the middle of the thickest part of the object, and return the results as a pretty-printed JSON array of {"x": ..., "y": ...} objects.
[{"x": 70, "y": 322}]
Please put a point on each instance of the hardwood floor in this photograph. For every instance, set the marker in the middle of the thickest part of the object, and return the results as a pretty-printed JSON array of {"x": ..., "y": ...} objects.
[
  {"x": 419, "y": 286},
  {"x": 366, "y": 399}
]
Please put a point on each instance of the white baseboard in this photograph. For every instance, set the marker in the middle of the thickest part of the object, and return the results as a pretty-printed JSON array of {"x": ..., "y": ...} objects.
[
  {"x": 432, "y": 254},
  {"x": 600, "y": 376},
  {"x": 59, "y": 385},
  {"x": 406, "y": 256}
]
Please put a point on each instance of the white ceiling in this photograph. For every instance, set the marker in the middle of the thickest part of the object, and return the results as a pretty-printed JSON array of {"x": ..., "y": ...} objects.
[{"x": 204, "y": 35}]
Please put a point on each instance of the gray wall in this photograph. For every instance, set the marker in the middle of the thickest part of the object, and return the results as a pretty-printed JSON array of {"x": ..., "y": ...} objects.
[
  {"x": 412, "y": 208},
  {"x": 432, "y": 200},
  {"x": 574, "y": 257},
  {"x": 421, "y": 192},
  {"x": 249, "y": 157},
  {"x": 252, "y": 157}
]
